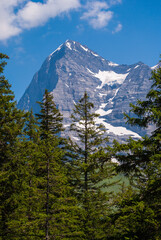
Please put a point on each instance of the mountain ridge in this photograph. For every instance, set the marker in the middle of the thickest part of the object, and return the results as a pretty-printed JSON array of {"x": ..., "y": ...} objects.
[{"x": 73, "y": 68}]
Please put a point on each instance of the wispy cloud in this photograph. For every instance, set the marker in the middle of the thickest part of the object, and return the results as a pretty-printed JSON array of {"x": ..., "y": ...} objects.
[
  {"x": 114, "y": 2},
  {"x": 118, "y": 28},
  {"x": 97, "y": 15}
]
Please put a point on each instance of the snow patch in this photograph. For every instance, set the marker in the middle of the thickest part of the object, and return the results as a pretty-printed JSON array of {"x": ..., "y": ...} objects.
[
  {"x": 85, "y": 49},
  {"x": 103, "y": 105},
  {"x": 96, "y": 55},
  {"x": 110, "y": 78},
  {"x": 90, "y": 71},
  {"x": 136, "y": 66},
  {"x": 102, "y": 112},
  {"x": 110, "y": 100},
  {"x": 68, "y": 44},
  {"x": 120, "y": 131},
  {"x": 113, "y": 64},
  {"x": 128, "y": 69},
  {"x": 55, "y": 51},
  {"x": 102, "y": 94},
  {"x": 154, "y": 67}
]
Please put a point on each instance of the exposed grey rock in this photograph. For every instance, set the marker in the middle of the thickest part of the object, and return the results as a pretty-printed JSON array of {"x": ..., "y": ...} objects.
[{"x": 72, "y": 69}]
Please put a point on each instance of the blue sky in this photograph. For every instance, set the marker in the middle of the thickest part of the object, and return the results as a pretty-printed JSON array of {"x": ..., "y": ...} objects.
[{"x": 122, "y": 31}]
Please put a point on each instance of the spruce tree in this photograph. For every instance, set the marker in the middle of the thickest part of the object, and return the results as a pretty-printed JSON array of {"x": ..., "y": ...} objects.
[
  {"x": 11, "y": 124},
  {"x": 31, "y": 129},
  {"x": 141, "y": 159},
  {"x": 25, "y": 218},
  {"x": 144, "y": 154},
  {"x": 11, "y": 118},
  {"x": 58, "y": 216},
  {"x": 89, "y": 168},
  {"x": 20, "y": 183},
  {"x": 132, "y": 218},
  {"x": 50, "y": 117}
]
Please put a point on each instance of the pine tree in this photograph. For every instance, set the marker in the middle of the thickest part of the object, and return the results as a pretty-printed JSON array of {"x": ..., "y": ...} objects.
[
  {"x": 141, "y": 159},
  {"x": 58, "y": 220},
  {"x": 89, "y": 168},
  {"x": 145, "y": 154},
  {"x": 51, "y": 118},
  {"x": 31, "y": 129},
  {"x": 11, "y": 119},
  {"x": 19, "y": 182},
  {"x": 132, "y": 219},
  {"x": 11, "y": 124},
  {"x": 25, "y": 218}
]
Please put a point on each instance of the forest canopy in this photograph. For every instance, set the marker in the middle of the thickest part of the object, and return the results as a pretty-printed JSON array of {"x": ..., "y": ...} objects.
[{"x": 54, "y": 188}]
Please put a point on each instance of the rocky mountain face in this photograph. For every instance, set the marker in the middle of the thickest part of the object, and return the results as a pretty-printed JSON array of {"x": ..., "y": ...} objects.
[{"x": 73, "y": 68}]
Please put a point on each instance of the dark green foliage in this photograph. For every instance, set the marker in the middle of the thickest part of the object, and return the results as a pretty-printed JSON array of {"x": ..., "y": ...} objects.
[
  {"x": 31, "y": 129},
  {"x": 11, "y": 124},
  {"x": 58, "y": 207},
  {"x": 18, "y": 179},
  {"x": 11, "y": 119},
  {"x": 89, "y": 168},
  {"x": 148, "y": 111},
  {"x": 141, "y": 161},
  {"x": 133, "y": 219},
  {"x": 53, "y": 190},
  {"x": 51, "y": 119}
]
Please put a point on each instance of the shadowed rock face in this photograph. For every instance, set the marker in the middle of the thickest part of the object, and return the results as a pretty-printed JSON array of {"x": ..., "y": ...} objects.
[{"x": 72, "y": 69}]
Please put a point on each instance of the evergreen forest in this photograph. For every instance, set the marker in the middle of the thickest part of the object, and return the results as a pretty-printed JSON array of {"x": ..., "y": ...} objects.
[{"x": 52, "y": 188}]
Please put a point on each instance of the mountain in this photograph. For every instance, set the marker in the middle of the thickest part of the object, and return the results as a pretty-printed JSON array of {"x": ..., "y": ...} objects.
[{"x": 73, "y": 68}]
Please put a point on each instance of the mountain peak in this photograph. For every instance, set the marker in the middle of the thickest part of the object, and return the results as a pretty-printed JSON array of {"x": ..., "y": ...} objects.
[
  {"x": 72, "y": 69},
  {"x": 70, "y": 44},
  {"x": 75, "y": 47}
]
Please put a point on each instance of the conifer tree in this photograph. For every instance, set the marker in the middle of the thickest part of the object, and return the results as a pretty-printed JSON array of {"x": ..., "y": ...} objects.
[
  {"x": 132, "y": 219},
  {"x": 31, "y": 129},
  {"x": 11, "y": 125},
  {"x": 89, "y": 168},
  {"x": 20, "y": 182},
  {"x": 58, "y": 220},
  {"x": 145, "y": 154},
  {"x": 11, "y": 119},
  {"x": 50, "y": 117},
  {"x": 141, "y": 159}
]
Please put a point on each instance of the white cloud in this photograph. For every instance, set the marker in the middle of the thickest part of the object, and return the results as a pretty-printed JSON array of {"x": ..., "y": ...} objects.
[
  {"x": 101, "y": 20},
  {"x": 118, "y": 28},
  {"x": 35, "y": 13},
  {"x": 8, "y": 19},
  {"x": 17, "y": 15},
  {"x": 98, "y": 14},
  {"x": 114, "y": 2}
]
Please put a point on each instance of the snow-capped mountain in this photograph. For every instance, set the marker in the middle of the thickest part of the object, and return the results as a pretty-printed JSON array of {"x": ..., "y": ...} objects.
[{"x": 73, "y": 68}]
